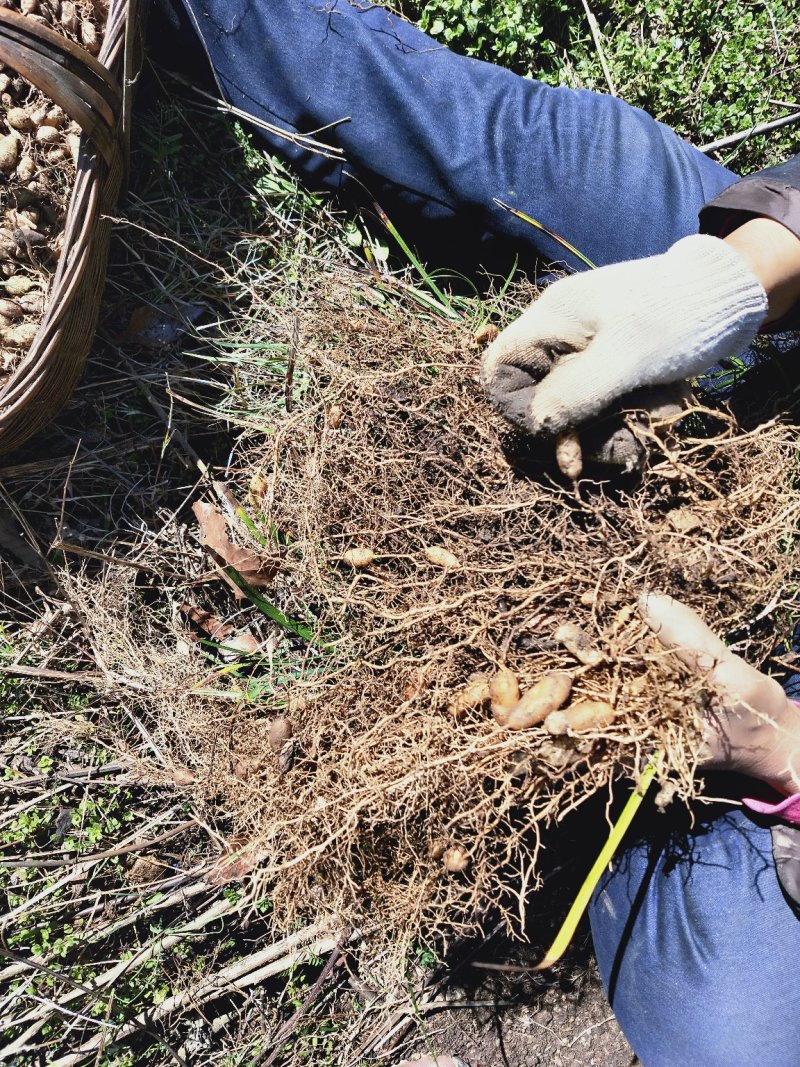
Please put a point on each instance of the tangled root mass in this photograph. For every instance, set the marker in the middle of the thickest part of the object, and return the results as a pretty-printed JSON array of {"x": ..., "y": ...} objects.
[{"x": 400, "y": 810}]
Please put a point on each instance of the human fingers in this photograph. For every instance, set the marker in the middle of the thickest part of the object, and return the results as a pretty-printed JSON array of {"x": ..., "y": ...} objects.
[{"x": 735, "y": 681}]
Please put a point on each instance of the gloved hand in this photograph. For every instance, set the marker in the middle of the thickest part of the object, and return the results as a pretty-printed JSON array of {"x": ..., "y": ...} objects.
[
  {"x": 593, "y": 337},
  {"x": 611, "y": 440},
  {"x": 751, "y": 727}
]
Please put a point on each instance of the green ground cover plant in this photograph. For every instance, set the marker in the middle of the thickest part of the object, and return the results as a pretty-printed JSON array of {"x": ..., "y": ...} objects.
[{"x": 706, "y": 69}]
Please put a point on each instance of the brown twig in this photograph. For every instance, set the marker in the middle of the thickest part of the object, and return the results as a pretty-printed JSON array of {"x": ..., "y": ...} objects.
[{"x": 266, "y": 1059}]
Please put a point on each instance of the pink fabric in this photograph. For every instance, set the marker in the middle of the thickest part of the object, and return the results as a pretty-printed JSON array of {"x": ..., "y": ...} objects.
[{"x": 788, "y": 810}]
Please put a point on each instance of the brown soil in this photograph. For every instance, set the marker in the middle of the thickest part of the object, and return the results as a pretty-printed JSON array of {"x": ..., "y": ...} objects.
[{"x": 561, "y": 1027}]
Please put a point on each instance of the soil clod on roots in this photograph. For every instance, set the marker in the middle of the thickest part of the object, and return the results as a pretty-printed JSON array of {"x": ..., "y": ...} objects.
[{"x": 425, "y": 562}]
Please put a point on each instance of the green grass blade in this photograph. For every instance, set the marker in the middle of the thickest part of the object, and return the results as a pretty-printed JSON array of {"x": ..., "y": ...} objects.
[
  {"x": 426, "y": 277},
  {"x": 532, "y": 222},
  {"x": 271, "y": 612}
]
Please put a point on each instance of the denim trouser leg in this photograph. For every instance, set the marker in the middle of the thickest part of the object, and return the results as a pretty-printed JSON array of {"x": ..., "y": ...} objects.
[
  {"x": 435, "y": 136},
  {"x": 699, "y": 950}
]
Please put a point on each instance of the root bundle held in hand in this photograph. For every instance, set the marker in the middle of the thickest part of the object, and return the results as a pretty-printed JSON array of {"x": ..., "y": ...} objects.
[{"x": 478, "y": 665}]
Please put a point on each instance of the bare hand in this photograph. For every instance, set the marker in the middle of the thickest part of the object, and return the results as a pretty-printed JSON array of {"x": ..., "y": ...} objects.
[{"x": 752, "y": 727}]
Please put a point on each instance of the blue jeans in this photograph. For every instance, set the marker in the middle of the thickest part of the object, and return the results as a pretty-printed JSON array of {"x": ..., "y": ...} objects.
[
  {"x": 698, "y": 948},
  {"x": 435, "y": 137},
  {"x": 699, "y": 952}
]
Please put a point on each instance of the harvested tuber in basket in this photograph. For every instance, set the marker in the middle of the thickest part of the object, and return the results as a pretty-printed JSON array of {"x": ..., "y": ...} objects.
[{"x": 66, "y": 76}]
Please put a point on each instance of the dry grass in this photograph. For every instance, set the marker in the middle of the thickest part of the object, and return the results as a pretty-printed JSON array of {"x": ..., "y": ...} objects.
[{"x": 171, "y": 728}]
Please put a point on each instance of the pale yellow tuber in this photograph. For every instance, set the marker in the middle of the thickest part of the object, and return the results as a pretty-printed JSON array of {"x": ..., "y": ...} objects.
[
  {"x": 280, "y": 731},
  {"x": 9, "y": 152},
  {"x": 471, "y": 696},
  {"x": 485, "y": 334},
  {"x": 440, "y": 557},
  {"x": 359, "y": 558},
  {"x": 569, "y": 455},
  {"x": 576, "y": 640},
  {"x": 550, "y": 693},
  {"x": 335, "y": 416},
  {"x": 455, "y": 859},
  {"x": 581, "y": 717},
  {"x": 504, "y": 695}
]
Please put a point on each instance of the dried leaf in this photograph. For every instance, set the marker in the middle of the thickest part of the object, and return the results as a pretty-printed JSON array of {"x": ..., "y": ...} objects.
[
  {"x": 245, "y": 767},
  {"x": 256, "y": 569},
  {"x": 216, "y": 629},
  {"x": 243, "y": 643},
  {"x": 240, "y": 859},
  {"x": 258, "y": 489}
]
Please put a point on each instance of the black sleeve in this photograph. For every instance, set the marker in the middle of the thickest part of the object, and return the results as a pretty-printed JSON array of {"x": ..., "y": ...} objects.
[
  {"x": 173, "y": 43},
  {"x": 774, "y": 192}
]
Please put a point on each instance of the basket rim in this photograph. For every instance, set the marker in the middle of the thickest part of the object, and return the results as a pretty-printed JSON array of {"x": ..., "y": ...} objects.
[{"x": 40, "y": 384}]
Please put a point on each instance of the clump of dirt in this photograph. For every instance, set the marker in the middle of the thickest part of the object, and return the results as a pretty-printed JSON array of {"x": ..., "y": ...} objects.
[
  {"x": 428, "y": 550},
  {"x": 39, "y": 148}
]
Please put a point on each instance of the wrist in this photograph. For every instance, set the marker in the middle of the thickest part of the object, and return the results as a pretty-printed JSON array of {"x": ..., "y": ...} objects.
[
  {"x": 723, "y": 303},
  {"x": 773, "y": 254}
]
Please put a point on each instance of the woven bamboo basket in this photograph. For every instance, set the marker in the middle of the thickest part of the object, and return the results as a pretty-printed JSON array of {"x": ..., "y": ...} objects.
[{"x": 96, "y": 93}]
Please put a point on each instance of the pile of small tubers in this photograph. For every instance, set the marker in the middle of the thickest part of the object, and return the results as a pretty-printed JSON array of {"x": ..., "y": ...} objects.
[
  {"x": 39, "y": 149},
  {"x": 544, "y": 703}
]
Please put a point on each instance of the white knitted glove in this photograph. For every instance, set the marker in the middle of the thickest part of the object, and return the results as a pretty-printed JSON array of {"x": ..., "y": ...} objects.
[{"x": 593, "y": 337}]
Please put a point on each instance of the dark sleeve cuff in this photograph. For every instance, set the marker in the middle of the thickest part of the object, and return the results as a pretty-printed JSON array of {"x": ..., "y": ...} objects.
[{"x": 758, "y": 196}]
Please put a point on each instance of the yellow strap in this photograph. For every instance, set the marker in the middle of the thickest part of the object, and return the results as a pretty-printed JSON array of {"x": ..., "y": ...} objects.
[{"x": 618, "y": 830}]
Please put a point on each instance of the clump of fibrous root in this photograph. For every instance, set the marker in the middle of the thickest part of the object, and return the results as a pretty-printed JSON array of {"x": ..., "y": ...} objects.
[
  {"x": 478, "y": 666},
  {"x": 39, "y": 148}
]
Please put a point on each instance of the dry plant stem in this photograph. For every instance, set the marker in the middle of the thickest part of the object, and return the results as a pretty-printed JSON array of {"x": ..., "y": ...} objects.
[
  {"x": 763, "y": 127},
  {"x": 21, "y": 671},
  {"x": 78, "y": 776},
  {"x": 25, "y": 805},
  {"x": 399, "y": 1022},
  {"x": 120, "y": 850},
  {"x": 156, "y": 947},
  {"x": 289, "y": 1027},
  {"x": 179, "y": 896},
  {"x": 254, "y": 969},
  {"x": 598, "y": 43}
]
